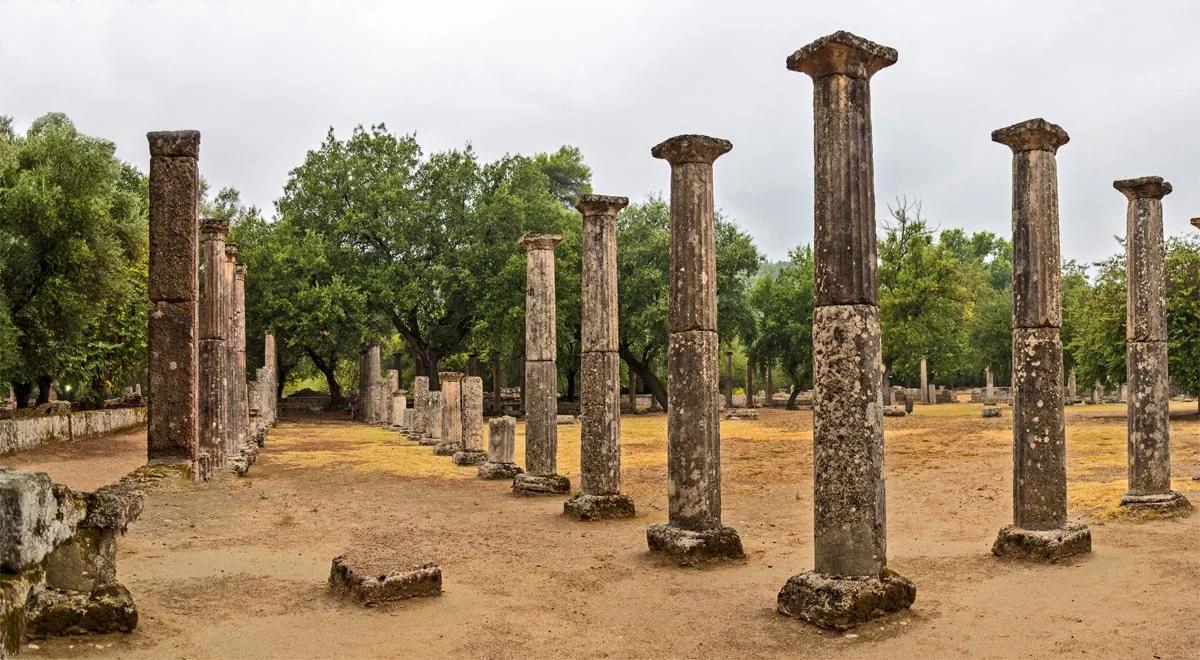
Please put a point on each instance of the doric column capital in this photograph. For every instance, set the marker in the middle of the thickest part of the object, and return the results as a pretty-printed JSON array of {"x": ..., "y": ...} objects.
[
  {"x": 691, "y": 149},
  {"x": 540, "y": 241},
  {"x": 1143, "y": 187},
  {"x": 600, "y": 204},
  {"x": 842, "y": 53},
  {"x": 239, "y": 271},
  {"x": 231, "y": 251},
  {"x": 1032, "y": 135},
  {"x": 213, "y": 228},
  {"x": 174, "y": 143},
  {"x": 450, "y": 376}
]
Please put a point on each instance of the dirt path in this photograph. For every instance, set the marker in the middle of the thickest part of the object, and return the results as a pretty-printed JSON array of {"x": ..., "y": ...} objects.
[{"x": 238, "y": 568}]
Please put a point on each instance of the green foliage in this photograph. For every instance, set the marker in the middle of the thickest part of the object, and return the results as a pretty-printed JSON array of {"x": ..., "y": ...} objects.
[
  {"x": 1097, "y": 343},
  {"x": 782, "y": 303}
]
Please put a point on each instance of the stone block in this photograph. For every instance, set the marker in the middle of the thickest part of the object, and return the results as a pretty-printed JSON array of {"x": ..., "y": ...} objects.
[
  {"x": 85, "y": 562},
  {"x": 56, "y": 612},
  {"x": 469, "y": 457},
  {"x": 14, "y": 597},
  {"x": 375, "y": 577},
  {"x": 35, "y": 516},
  {"x": 1043, "y": 545},
  {"x": 990, "y": 411},
  {"x": 599, "y": 507},
  {"x": 541, "y": 484},
  {"x": 894, "y": 411},
  {"x": 840, "y": 603},
  {"x": 501, "y": 439},
  {"x": 490, "y": 470},
  {"x": 691, "y": 547}
]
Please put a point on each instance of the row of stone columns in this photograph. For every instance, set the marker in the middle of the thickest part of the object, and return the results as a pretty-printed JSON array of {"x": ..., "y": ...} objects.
[{"x": 199, "y": 409}]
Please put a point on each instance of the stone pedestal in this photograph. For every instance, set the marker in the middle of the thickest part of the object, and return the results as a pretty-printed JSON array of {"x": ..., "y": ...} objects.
[
  {"x": 501, "y": 445},
  {"x": 172, "y": 434},
  {"x": 452, "y": 414},
  {"x": 850, "y": 583},
  {"x": 472, "y": 452},
  {"x": 541, "y": 371},
  {"x": 433, "y": 422},
  {"x": 1148, "y": 394},
  {"x": 1040, "y": 531},
  {"x": 694, "y": 531}
]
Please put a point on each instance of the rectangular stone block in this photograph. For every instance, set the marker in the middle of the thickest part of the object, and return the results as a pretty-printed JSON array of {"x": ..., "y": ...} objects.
[
  {"x": 1149, "y": 432},
  {"x": 541, "y": 418},
  {"x": 174, "y": 229},
  {"x": 35, "y": 516},
  {"x": 501, "y": 439},
  {"x": 173, "y": 410},
  {"x": 849, "y": 517},
  {"x": 1039, "y": 430},
  {"x": 600, "y": 420},
  {"x": 693, "y": 431}
]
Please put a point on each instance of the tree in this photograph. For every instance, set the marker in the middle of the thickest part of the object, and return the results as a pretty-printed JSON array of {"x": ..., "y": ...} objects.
[
  {"x": 782, "y": 303},
  {"x": 1097, "y": 344},
  {"x": 1183, "y": 313}
]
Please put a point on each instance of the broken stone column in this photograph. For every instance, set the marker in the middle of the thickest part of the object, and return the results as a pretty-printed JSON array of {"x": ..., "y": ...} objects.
[
  {"x": 1072, "y": 388},
  {"x": 729, "y": 379},
  {"x": 370, "y": 396},
  {"x": 1040, "y": 530},
  {"x": 172, "y": 418},
  {"x": 501, "y": 448},
  {"x": 1148, "y": 392},
  {"x": 231, "y": 357},
  {"x": 391, "y": 386},
  {"x": 599, "y": 495},
  {"x": 693, "y": 531},
  {"x": 472, "y": 452},
  {"x": 271, "y": 388},
  {"x": 239, "y": 345},
  {"x": 989, "y": 393},
  {"x": 434, "y": 421},
  {"x": 400, "y": 411},
  {"x": 887, "y": 387},
  {"x": 924, "y": 381},
  {"x": 541, "y": 371},
  {"x": 749, "y": 384},
  {"x": 420, "y": 423},
  {"x": 851, "y": 582},
  {"x": 214, "y": 396},
  {"x": 452, "y": 414}
]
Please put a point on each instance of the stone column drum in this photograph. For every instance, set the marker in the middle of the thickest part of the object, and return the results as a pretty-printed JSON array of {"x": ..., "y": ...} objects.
[
  {"x": 401, "y": 412},
  {"x": 1148, "y": 394},
  {"x": 599, "y": 495},
  {"x": 989, "y": 392},
  {"x": 173, "y": 432},
  {"x": 372, "y": 391},
  {"x": 728, "y": 379},
  {"x": 240, "y": 391},
  {"x": 924, "y": 381},
  {"x": 501, "y": 446},
  {"x": 452, "y": 416},
  {"x": 1040, "y": 530},
  {"x": 472, "y": 452},
  {"x": 693, "y": 531},
  {"x": 214, "y": 398},
  {"x": 851, "y": 582},
  {"x": 541, "y": 371},
  {"x": 434, "y": 421},
  {"x": 231, "y": 356},
  {"x": 420, "y": 424},
  {"x": 391, "y": 386}
]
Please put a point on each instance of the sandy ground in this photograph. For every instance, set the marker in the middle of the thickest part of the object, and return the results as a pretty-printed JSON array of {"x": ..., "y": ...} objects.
[{"x": 237, "y": 568}]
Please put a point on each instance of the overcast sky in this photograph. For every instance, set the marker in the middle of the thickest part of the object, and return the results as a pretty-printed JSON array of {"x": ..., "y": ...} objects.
[{"x": 263, "y": 82}]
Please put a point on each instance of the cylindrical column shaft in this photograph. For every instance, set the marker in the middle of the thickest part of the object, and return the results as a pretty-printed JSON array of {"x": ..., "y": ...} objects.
[
  {"x": 473, "y": 414},
  {"x": 420, "y": 425},
  {"x": 452, "y": 411},
  {"x": 214, "y": 398},
  {"x": 173, "y": 429},
  {"x": 924, "y": 394},
  {"x": 728, "y": 379},
  {"x": 240, "y": 386}
]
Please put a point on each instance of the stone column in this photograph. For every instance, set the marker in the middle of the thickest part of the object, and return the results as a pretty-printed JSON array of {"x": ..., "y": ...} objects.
[
  {"x": 768, "y": 388},
  {"x": 472, "y": 452},
  {"x": 239, "y": 389},
  {"x": 1040, "y": 530},
  {"x": 501, "y": 442},
  {"x": 214, "y": 398},
  {"x": 173, "y": 433},
  {"x": 372, "y": 394},
  {"x": 989, "y": 393},
  {"x": 541, "y": 371},
  {"x": 633, "y": 388},
  {"x": 452, "y": 414},
  {"x": 749, "y": 384},
  {"x": 693, "y": 531},
  {"x": 271, "y": 362},
  {"x": 435, "y": 420},
  {"x": 924, "y": 381},
  {"x": 420, "y": 425},
  {"x": 1148, "y": 392},
  {"x": 497, "y": 383},
  {"x": 1072, "y": 388},
  {"x": 728, "y": 379},
  {"x": 400, "y": 408},
  {"x": 599, "y": 495},
  {"x": 231, "y": 357},
  {"x": 391, "y": 386},
  {"x": 851, "y": 582},
  {"x": 887, "y": 386}
]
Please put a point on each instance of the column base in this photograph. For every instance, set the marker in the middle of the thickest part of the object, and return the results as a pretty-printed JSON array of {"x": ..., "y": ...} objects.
[
  {"x": 599, "y": 507},
  {"x": 1043, "y": 545},
  {"x": 59, "y": 612},
  {"x": 489, "y": 470},
  {"x": 691, "y": 547},
  {"x": 840, "y": 603},
  {"x": 469, "y": 457},
  {"x": 426, "y": 441},
  {"x": 1167, "y": 503},
  {"x": 446, "y": 448},
  {"x": 541, "y": 484}
]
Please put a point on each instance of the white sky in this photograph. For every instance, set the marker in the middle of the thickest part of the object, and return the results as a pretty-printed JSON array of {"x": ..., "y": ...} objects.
[{"x": 263, "y": 81}]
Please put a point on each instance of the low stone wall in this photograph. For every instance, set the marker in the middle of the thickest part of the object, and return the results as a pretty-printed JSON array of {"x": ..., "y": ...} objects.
[{"x": 30, "y": 432}]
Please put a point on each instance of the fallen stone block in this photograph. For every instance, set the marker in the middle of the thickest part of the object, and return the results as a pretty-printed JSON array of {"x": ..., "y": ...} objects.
[
  {"x": 492, "y": 470},
  {"x": 35, "y": 516},
  {"x": 894, "y": 411},
  {"x": 375, "y": 577},
  {"x": 740, "y": 413},
  {"x": 1043, "y": 545},
  {"x": 467, "y": 457},
  {"x": 54, "y": 612},
  {"x": 991, "y": 411}
]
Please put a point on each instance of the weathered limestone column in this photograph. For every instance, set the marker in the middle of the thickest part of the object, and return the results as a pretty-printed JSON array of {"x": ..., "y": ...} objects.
[
  {"x": 887, "y": 385},
  {"x": 402, "y": 415},
  {"x": 924, "y": 381},
  {"x": 541, "y": 371},
  {"x": 472, "y": 452},
  {"x": 728, "y": 379},
  {"x": 693, "y": 531},
  {"x": 436, "y": 421},
  {"x": 371, "y": 395},
  {"x": 851, "y": 582},
  {"x": 173, "y": 431},
  {"x": 420, "y": 423},
  {"x": 452, "y": 414},
  {"x": 391, "y": 386},
  {"x": 231, "y": 357},
  {"x": 1072, "y": 388},
  {"x": 599, "y": 495},
  {"x": 271, "y": 394},
  {"x": 989, "y": 393},
  {"x": 749, "y": 384},
  {"x": 1040, "y": 530},
  {"x": 501, "y": 446},
  {"x": 1148, "y": 392},
  {"x": 239, "y": 344},
  {"x": 214, "y": 398}
]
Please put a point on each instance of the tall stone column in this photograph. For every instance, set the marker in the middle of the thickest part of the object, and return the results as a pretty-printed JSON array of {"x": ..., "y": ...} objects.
[
  {"x": 1148, "y": 392},
  {"x": 452, "y": 414},
  {"x": 768, "y": 388},
  {"x": 173, "y": 426},
  {"x": 599, "y": 495},
  {"x": 435, "y": 420},
  {"x": 214, "y": 398},
  {"x": 729, "y": 379},
  {"x": 924, "y": 381},
  {"x": 501, "y": 439},
  {"x": 693, "y": 531},
  {"x": 749, "y": 384},
  {"x": 391, "y": 386},
  {"x": 1072, "y": 388},
  {"x": 239, "y": 375},
  {"x": 1040, "y": 530},
  {"x": 472, "y": 451},
  {"x": 271, "y": 394},
  {"x": 420, "y": 424},
  {"x": 541, "y": 371},
  {"x": 851, "y": 582},
  {"x": 989, "y": 393},
  {"x": 371, "y": 395},
  {"x": 231, "y": 357}
]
